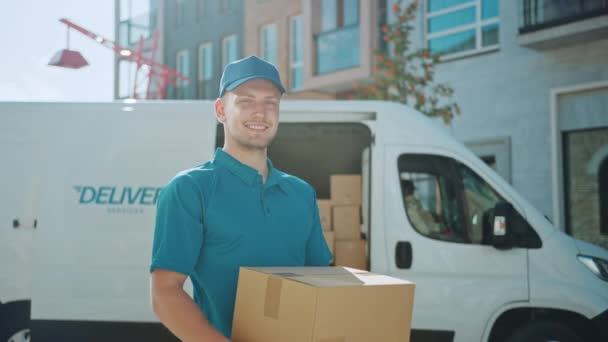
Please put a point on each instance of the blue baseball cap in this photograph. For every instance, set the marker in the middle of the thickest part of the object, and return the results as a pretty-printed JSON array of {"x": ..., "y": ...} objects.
[{"x": 246, "y": 69}]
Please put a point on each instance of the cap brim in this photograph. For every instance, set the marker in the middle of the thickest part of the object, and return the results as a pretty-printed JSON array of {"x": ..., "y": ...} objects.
[{"x": 238, "y": 83}]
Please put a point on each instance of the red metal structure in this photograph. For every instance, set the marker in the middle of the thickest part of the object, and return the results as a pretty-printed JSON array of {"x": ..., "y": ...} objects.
[{"x": 162, "y": 75}]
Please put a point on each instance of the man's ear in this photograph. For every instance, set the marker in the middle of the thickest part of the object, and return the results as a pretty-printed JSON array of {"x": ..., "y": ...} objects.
[{"x": 220, "y": 112}]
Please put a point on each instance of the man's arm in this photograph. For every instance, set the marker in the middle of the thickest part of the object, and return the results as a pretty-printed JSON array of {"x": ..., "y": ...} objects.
[{"x": 177, "y": 311}]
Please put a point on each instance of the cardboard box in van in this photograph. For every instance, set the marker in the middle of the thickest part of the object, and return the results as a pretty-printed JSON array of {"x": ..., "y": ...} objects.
[
  {"x": 346, "y": 222},
  {"x": 345, "y": 189},
  {"x": 325, "y": 213},
  {"x": 278, "y": 304},
  {"x": 351, "y": 253}
]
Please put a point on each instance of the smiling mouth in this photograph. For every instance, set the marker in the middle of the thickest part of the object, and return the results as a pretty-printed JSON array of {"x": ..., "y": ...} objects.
[{"x": 257, "y": 127}]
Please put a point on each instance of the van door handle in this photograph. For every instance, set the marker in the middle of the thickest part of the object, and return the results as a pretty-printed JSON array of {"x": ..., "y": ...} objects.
[{"x": 403, "y": 254}]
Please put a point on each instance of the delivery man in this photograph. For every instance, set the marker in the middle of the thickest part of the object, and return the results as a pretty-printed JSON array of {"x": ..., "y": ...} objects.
[{"x": 234, "y": 210}]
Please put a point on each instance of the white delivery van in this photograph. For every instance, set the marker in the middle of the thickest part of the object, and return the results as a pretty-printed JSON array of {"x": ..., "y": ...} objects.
[{"x": 80, "y": 181}]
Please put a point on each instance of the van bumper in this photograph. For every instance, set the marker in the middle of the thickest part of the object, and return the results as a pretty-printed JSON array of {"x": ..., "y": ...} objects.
[{"x": 601, "y": 324}]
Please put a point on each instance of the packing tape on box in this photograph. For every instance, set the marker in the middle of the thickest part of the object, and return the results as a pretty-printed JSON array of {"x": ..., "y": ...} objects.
[
  {"x": 331, "y": 339},
  {"x": 273, "y": 297}
]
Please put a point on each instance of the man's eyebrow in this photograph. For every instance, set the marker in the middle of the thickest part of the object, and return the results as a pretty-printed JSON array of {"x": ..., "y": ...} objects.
[{"x": 253, "y": 96}]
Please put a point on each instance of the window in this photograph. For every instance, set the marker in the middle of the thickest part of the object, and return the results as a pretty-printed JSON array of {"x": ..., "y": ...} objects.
[
  {"x": 446, "y": 200},
  {"x": 229, "y": 50},
  {"x": 268, "y": 43},
  {"x": 603, "y": 185},
  {"x": 183, "y": 67},
  {"x": 337, "y": 45},
  {"x": 339, "y": 13},
  {"x": 296, "y": 53},
  {"x": 201, "y": 9},
  {"x": 227, "y": 6},
  {"x": 455, "y": 27},
  {"x": 180, "y": 12},
  {"x": 205, "y": 70},
  {"x": 329, "y": 15},
  {"x": 585, "y": 183},
  {"x": 479, "y": 200},
  {"x": 125, "y": 83}
]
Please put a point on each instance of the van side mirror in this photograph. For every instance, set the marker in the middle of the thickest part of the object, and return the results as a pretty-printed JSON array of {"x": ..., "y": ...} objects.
[{"x": 501, "y": 233}]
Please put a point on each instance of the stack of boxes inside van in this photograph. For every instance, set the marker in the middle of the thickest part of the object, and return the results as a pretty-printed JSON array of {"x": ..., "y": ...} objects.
[{"x": 341, "y": 221}]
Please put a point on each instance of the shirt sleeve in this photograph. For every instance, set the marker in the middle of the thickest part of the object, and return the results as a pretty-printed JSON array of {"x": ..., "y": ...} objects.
[
  {"x": 178, "y": 231},
  {"x": 317, "y": 251}
]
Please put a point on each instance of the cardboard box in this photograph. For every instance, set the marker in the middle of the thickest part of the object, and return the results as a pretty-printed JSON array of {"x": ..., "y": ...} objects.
[
  {"x": 321, "y": 304},
  {"x": 345, "y": 189},
  {"x": 346, "y": 222},
  {"x": 329, "y": 238},
  {"x": 325, "y": 213},
  {"x": 351, "y": 254}
]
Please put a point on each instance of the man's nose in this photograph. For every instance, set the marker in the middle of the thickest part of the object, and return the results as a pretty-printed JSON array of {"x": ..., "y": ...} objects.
[{"x": 259, "y": 109}]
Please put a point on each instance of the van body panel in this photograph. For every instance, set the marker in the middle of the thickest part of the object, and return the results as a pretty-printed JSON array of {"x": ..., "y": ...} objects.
[
  {"x": 89, "y": 172},
  {"x": 446, "y": 285},
  {"x": 559, "y": 280}
]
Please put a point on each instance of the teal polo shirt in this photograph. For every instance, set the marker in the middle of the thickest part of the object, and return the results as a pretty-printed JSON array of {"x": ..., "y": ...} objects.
[{"x": 217, "y": 217}]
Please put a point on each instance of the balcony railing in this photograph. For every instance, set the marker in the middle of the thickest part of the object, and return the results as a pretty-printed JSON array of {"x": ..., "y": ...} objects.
[
  {"x": 540, "y": 14},
  {"x": 338, "y": 49},
  {"x": 140, "y": 25}
]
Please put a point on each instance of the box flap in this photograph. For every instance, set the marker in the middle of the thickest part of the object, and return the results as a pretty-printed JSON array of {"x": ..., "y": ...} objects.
[{"x": 331, "y": 276}]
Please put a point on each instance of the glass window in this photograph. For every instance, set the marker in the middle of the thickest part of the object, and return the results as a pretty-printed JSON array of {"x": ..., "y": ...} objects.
[
  {"x": 351, "y": 12},
  {"x": 180, "y": 12},
  {"x": 296, "y": 52},
  {"x": 585, "y": 155},
  {"x": 126, "y": 70},
  {"x": 205, "y": 67},
  {"x": 479, "y": 201},
  {"x": 183, "y": 67},
  {"x": 446, "y": 200},
  {"x": 430, "y": 197},
  {"x": 201, "y": 9},
  {"x": 452, "y": 19},
  {"x": 268, "y": 43},
  {"x": 453, "y": 43},
  {"x": 489, "y": 9},
  {"x": 458, "y": 26},
  {"x": 603, "y": 186},
  {"x": 229, "y": 50},
  {"x": 329, "y": 15},
  {"x": 436, "y": 5},
  {"x": 205, "y": 87},
  {"x": 489, "y": 35}
]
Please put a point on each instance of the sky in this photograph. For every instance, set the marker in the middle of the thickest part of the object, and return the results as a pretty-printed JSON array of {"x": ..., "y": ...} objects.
[{"x": 31, "y": 33}]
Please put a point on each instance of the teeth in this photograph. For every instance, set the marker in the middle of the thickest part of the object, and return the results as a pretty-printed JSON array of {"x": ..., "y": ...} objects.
[{"x": 256, "y": 126}]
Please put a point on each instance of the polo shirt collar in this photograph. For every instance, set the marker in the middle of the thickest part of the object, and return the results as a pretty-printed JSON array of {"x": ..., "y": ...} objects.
[{"x": 246, "y": 173}]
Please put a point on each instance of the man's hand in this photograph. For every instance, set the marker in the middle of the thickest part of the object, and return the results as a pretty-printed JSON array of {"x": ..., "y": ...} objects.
[{"x": 177, "y": 311}]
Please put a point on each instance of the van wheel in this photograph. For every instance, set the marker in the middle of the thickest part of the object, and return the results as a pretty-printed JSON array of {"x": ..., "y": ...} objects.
[{"x": 544, "y": 331}]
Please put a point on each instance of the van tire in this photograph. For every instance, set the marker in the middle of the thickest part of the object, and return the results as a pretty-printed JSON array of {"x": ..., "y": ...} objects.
[{"x": 543, "y": 331}]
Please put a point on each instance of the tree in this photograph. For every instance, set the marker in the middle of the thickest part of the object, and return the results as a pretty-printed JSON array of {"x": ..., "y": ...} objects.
[{"x": 405, "y": 76}]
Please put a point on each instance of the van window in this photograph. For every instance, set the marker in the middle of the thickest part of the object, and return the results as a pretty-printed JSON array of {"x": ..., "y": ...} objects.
[
  {"x": 446, "y": 200},
  {"x": 479, "y": 199},
  {"x": 430, "y": 197}
]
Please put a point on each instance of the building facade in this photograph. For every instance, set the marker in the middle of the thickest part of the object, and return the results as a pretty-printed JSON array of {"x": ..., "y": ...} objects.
[
  {"x": 202, "y": 37},
  {"x": 197, "y": 39},
  {"x": 531, "y": 78}
]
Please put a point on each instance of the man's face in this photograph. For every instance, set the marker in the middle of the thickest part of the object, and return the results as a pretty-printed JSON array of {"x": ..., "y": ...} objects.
[{"x": 250, "y": 114}]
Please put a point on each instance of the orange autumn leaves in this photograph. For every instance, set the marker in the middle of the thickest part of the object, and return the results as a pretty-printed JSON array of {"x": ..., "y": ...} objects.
[{"x": 405, "y": 76}]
